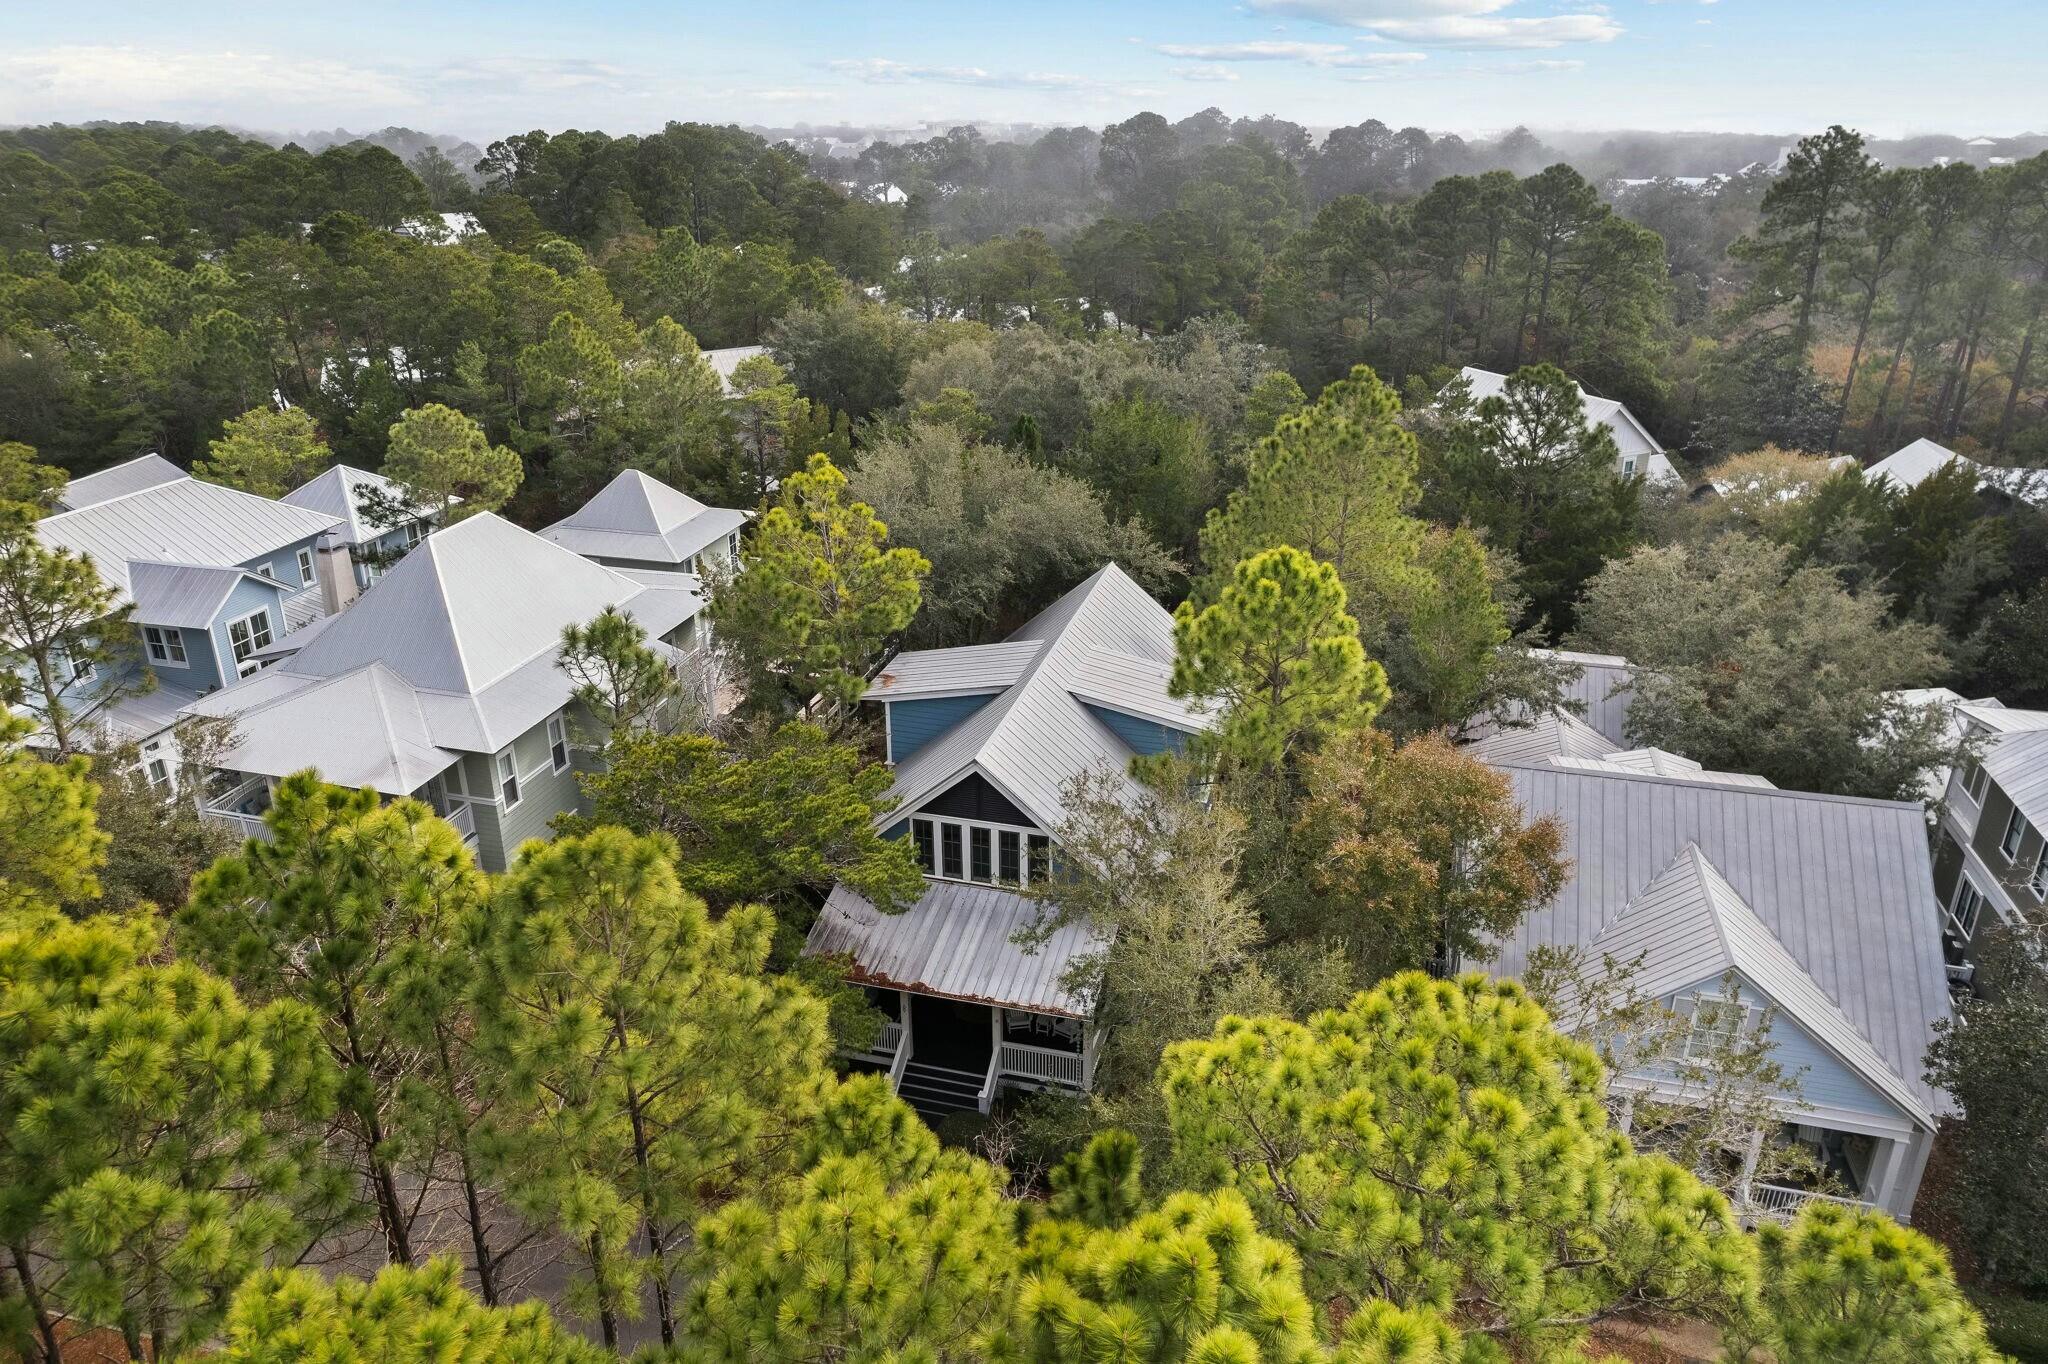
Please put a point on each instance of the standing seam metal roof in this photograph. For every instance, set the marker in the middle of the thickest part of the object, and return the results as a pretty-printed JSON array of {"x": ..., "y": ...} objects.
[{"x": 148, "y": 471}]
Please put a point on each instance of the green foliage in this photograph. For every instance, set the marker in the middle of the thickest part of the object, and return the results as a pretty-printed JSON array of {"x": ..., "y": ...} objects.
[
  {"x": 1435, "y": 1143},
  {"x": 51, "y": 845},
  {"x": 442, "y": 458},
  {"x": 1004, "y": 536},
  {"x": 1542, "y": 483},
  {"x": 265, "y": 451},
  {"x": 58, "y": 617},
  {"x": 1150, "y": 463},
  {"x": 822, "y": 595},
  {"x": 22, "y": 479},
  {"x": 649, "y": 1069},
  {"x": 765, "y": 816},
  {"x": 1745, "y": 664},
  {"x": 1281, "y": 657},
  {"x": 403, "y": 1316},
  {"x": 618, "y": 678},
  {"x": 1849, "y": 1283}
]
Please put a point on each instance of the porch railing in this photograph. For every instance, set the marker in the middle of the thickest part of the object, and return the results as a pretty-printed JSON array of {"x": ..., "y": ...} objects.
[
  {"x": 461, "y": 817},
  {"x": 891, "y": 1040},
  {"x": 1781, "y": 1203},
  {"x": 896, "y": 1068},
  {"x": 1043, "y": 1064},
  {"x": 226, "y": 808}
]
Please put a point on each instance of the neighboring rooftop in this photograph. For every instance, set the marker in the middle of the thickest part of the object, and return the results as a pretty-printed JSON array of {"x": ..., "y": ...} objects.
[
  {"x": 188, "y": 596},
  {"x": 1631, "y": 436},
  {"x": 638, "y": 517},
  {"x": 1910, "y": 465},
  {"x": 339, "y": 493},
  {"x": 146, "y": 472},
  {"x": 2017, "y": 759},
  {"x": 729, "y": 358}
]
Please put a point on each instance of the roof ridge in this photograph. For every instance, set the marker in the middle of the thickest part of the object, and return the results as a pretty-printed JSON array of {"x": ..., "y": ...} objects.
[{"x": 1613, "y": 774}]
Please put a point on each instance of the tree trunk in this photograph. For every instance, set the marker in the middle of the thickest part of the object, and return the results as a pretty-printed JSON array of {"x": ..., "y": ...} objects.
[
  {"x": 60, "y": 731},
  {"x": 607, "y": 1314},
  {"x": 2019, "y": 381},
  {"x": 1855, "y": 357},
  {"x": 53, "y": 1353},
  {"x": 641, "y": 1161},
  {"x": 486, "y": 1263},
  {"x": 1877, "y": 423},
  {"x": 1962, "y": 402},
  {"x": 390, "y": 1209}
]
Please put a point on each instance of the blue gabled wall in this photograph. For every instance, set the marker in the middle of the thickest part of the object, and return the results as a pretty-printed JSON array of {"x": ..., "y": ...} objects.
[
  {"x": 913, "y": 724},
  {"x": 1826, "y": 1082},
  {"x": 249, "y": 595},
  {"x": 1142, "y": 737}
]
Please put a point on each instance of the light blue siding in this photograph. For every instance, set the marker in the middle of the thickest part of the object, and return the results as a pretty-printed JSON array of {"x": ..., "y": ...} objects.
[
  {"x": 913, "y": 724},
  {"x": 249, "y": 595},
  {"x": 283, "y": 562},
  {"x": 1142, "y": 737},
  {"x": 1826, "y": 1081}
]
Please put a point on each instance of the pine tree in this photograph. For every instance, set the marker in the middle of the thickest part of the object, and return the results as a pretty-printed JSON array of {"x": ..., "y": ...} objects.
[
  {"x": 165, "y": 1138},
  {"x": 1435, "y": 1143},
  {"x": 647, "y": 1069},
  {"x": 821, "y": 598},
  {"x": 404, "y": 1316},
  {"x": 1280, "y": 655},
  {"x": 444, "y": 461},
  {"x": 265, "y": 451},
  {"x": 58, "y": 619},
  {"x": 619, "y": 679},
  {"x": 51, "y": 845}
]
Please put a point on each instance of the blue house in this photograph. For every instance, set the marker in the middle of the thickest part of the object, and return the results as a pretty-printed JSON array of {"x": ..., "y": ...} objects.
[{"x": 985, "y": 742}]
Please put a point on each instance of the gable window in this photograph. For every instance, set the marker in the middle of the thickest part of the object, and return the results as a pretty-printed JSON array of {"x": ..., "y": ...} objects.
[
  {"x": 1717, "y": 1025},
  {"x": 2015, "y": 830},
  {"x": 305, "y": 568},
  {"x": 558, "y": 742},
  {"x": 245, "y": 637},
  {"x": 1975, "y": 779},
  {"x": 159, "y": 771},
  {"x": 166, "y": 645},
  {"x": 508, "y": 779},
  {"x": 967, "y": 850},
  {"x": 1628, "y": 465},
  {"x": 1962, "y": 915}
]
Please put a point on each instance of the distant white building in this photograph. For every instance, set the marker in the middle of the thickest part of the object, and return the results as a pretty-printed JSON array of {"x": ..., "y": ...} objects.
[
  {"x": 1640, "y": 452},
  {"x": 728, "y": 358},
  {"x": 1911, "y": 465}
]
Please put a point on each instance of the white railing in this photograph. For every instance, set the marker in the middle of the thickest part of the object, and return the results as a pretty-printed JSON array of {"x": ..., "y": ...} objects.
[
  {"x": 986, "y": 1098},
  {"x": 227, "y": 808},
  {"x": 1783, "y": 1204},
  {"x": 896, "y": 1068},
  {"x": 1042, "y": 1064},
  {"x": 461, "y": 817},
  {"x": 890, "y": 1040}
]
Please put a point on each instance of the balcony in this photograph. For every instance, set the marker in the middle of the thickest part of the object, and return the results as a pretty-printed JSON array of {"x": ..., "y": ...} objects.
[
  {"x": 238, "y": 802},
  {"x": 1780, "y": 1203}
]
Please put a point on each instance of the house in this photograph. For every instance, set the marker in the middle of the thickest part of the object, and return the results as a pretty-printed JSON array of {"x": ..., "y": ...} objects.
[
  {"x": 214, "y": 575},
  {"x": 1989, "y": 849},
  {"x": 636, "y": 521},
  {"x": 1594, "y": 726},
  {"x": 1910, "y": 465},
  {"x": 1819, "y": 907},
  {"x": 441, "y": 683},
  {"x": 375, "y": 540},
  {"x": 729, "y": 358},
  {"x": 1640, "y": 452},
  {"x": 984, "y": 741}
]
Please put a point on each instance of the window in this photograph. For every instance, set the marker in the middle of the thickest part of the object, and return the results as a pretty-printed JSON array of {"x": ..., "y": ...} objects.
[
  {"x": 558, "y": 742},
  {"x": 166, "y": 645},
  {"x": 1962, "y": 915},
  {"x": 451, "y": 780},
  {"x": 159, "y": 772},
  {"x": 1975, "y": 779},
  {"x": 415, "y": 531},
  {"x": 2038, "y": 882},
  {"x": 305, "y": 568},
  {"x": 732, "y": 545},
  {"x": 1717, "y": 1024},
  {"x": 245, "y": 637},
  {"x": 1628, "y": 465},
  {"x": 268, "y": 570},
  {"x": 2015, "y": 830},
  {"x": 508, "y": 779},
  {"x": 963, "y": 850}
]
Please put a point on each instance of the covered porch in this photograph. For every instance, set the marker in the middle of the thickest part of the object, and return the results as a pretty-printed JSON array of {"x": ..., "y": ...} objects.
[
  {"x": 241, "y": 799},
  {"x": 970, "y": 1012}
]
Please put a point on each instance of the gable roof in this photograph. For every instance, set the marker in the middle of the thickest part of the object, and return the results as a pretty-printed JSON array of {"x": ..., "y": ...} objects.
[
  {"x": 729, "y": 358},
  {"x": 1660, "y": 762},
  {"x": 338, "y": 493},
  {"x": 970, "y": 670},
  {"x": 147, "y": 471},
  {"x": 187, "y": 596},
  {"x": 1603, "y": 687},
  {"x": 179, "y": 521},
  {"x": 1608, "y": 412},
  {"x": 639, "y": 517},
  {"x": 469, "y": 624},
  {"x": 1910, "y": 465},
  {"x": 1845, "y": 885},
  {"x": 1690, "y": 925},
  {"x": 1554, "y": 734},
  {"x": 1105, "y": 636},
  {"x": 363, "y": 728},
  {"x": 2018, "y": 761}
]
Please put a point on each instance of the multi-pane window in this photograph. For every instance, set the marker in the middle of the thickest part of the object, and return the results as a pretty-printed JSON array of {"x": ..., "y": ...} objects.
[
  {"x": 166, "y": 645},
  {"x": 993, "y": 854},
  {"x": 415, "y": 531},
  {"x": 1717, "y": 1025},
  {"x": 305, "y": 568},
  {"x": 1962, "y": 916},
  {"x": 2015, "y": 830},
  {"x": 2038, "y": 882},
  {"x": 1975, "y": 779},
  {"x": 159, "y": 771},
  {"x": 558, "y": 742},
  {"x": 245, "y": 637},
  {"x": 508, "y": 779}
]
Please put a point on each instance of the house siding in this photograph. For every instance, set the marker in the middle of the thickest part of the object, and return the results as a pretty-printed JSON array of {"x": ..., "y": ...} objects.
[
  {"x": 2012, "y": 873},
  {"x": 913, "y": 724},
  {"x": 972, "y": 797},
  {"x": 1143, "y": 737},
  {"x": 284, "y": 561},
  {"x": 1825, "y": 1082},
  {"x": 248, "y": 596},
  {"x": 202, "y": 670},
  {"x": 543, "y": 794}
]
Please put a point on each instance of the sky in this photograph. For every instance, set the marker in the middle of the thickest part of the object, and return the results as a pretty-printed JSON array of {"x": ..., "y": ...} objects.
[{"x": 481, "y": 70}]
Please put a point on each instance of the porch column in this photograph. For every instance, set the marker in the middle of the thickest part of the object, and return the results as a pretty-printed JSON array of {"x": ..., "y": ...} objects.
[
  {"x": 903, "y": 1013},
  {"x": 1626, "y": 1121}
]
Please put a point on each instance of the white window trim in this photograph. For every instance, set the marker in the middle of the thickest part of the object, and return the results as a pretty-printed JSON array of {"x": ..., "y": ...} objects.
[
  {"x": 558, "y": 737},
  {"x": 938, "y": 870},
  {"x": 255, "y": 663},
  {"x": 307, "y": 575},
  {"x": 2038, "y": 882},
  {"x": 504, "y": 765},
  {"x": 1956, "y": 914},
  {"x": 2014, "y": 835},
  {"x": 1714, "y": 1001},
  {"x": 166, "y": 635}
]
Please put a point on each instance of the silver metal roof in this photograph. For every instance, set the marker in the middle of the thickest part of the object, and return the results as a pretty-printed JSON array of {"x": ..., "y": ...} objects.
[
  {"x": 1846, "y": 886},
  {"x": 1038, "y": 735},
  {"x": 1689, "y": 925},
  {"x": 1659, "y": 762},
  {"x": 149, "y": 471},
  {"x": 727, "y": 359},
  {"x": 1611, "y": 413},
  {"x": 1604, "y": 687},
  {"x": 956, "y": 941},
  {"x": 636, "y": 516},
  {"x": 185, "y": 595},
  {"x": 338, "y": 493},
  {"x": 364, "y": 728},
  {"x": 183, "y": 521},
  {"x": 1557, "y": 734},
  {"x": 971, "y": 670},
  {"x": 2018, "y": 761}
]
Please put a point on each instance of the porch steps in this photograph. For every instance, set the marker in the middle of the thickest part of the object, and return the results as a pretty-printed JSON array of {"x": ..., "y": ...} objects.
[{"x": 935, "y": 1091}]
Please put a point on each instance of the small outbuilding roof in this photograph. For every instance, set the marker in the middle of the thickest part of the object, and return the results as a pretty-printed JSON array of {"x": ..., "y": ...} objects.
[
  {"x": 640, "y": 518},
  {"x": 956, "y": 941}
]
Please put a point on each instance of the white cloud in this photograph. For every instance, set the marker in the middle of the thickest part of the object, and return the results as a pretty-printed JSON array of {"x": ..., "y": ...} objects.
[
  {"x": 884, "y": 71},
  {"x": 1205, "y": 71},
  {"x": 1528, "y": 68},
  {"x": 1315, "y": 54},
  {"x": 74, "y": 74},
  {"x": 1471, "y": 24}
]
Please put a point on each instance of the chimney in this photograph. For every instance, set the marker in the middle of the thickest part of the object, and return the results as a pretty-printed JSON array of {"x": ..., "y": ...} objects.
[{"x": 337, "y": 572}]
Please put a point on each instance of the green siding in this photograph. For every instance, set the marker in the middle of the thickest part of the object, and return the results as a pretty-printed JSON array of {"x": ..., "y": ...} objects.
[{"x": 543, "y": 794}]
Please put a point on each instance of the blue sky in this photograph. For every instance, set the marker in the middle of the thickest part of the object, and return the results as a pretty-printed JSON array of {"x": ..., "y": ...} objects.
[{"x": 479, "y": 69}]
